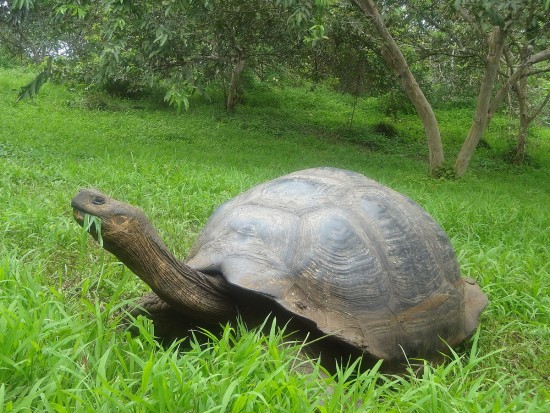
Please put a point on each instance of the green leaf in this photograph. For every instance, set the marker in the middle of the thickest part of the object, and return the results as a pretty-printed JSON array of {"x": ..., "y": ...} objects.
[
  {"x": 146, "y": 375},
  {"x": 22, "y": 4},
  {"x": 228, "y": 395},
  {"x": 31, "y": 90},
  {"x": 178, "y": 98}
]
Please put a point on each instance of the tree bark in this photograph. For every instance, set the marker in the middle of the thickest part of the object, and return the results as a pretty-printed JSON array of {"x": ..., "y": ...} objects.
[
  {"x": 520, "y": 89},
  {"x": 238, "y": 66},
  {"x": 396, "y": 61},
  {"x": 495, "y": 44},
  {"x": 525, "y": 119}
]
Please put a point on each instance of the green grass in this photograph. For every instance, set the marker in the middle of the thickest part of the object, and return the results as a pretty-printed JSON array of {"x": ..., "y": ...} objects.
[{"x": 61, "y": 348}]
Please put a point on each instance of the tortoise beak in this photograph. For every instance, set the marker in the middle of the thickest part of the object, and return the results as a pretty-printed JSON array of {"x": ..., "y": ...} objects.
[
  {"x": 78, "y": 215},
  {"x": 76, "y": 204},
  {"x": 80, "y": 204}
]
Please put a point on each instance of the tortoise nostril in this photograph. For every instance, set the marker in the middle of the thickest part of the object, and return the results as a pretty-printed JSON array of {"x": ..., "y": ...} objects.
[{"x": 98, "y": 200}]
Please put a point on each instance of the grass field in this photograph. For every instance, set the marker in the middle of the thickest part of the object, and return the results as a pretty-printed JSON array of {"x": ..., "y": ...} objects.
[{"x": 61, "y": 296}]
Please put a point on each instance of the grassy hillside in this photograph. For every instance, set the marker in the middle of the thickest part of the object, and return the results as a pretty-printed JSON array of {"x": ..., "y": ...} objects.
[{"x": 60, "y": 295}]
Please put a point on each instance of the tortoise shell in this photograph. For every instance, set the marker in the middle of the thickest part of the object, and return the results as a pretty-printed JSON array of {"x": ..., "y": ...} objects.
[{"x": 364, "y": 263}]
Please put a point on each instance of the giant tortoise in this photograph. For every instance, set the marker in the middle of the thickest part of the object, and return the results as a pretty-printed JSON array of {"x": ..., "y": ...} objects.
[{"x": 340, "y": 256}]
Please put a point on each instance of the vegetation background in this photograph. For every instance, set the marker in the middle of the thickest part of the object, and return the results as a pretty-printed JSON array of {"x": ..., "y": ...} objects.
[{"x": 62, "y": 298}]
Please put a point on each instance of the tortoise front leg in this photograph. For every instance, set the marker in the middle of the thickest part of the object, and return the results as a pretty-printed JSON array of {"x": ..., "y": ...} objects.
[{"x": 169, "y": 324}]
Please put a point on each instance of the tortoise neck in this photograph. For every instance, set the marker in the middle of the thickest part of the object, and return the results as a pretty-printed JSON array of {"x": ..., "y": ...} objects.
[{"x": 200, "y": 296}]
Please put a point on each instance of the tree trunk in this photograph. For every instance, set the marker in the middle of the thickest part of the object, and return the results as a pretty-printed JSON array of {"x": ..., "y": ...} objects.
[
  {"x": 356, "y": 98},
  {"x": 481, "y": 120},
  {"x": 520, "y": 89},
  {"x": 238, "y": 66},
  {"x": 396, "y": 61},
  {"x": 525, "y": 119}
]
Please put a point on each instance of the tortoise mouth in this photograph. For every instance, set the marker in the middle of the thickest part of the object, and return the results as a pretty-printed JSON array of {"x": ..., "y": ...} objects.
[
  {"x": 79, "y": 205},
  {"x": 90, "y": 226},
  {"x": 78, "y": 215}
]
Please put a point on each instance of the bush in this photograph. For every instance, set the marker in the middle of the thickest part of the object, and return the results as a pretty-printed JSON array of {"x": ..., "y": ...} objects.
[
  {"x": 395, "y": 103},
  {"x": 385, "y": 129}
]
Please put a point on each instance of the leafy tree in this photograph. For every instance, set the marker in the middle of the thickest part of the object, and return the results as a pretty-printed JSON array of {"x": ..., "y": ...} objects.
[
  {"x": 186, "y": 44},
  {"x": 33, "y": 30},
  {"x": 393, "y": 56},
  {"x": 457, "y": 38},
  {"x": 181, "y": 44},
  {"x": 527, "y": 43},
  {"x": 504, "y": 25},
  {"x": 495, "y": 23},
  {"x": 442, "y": 53},
  {"x": 342, "y": 50}
]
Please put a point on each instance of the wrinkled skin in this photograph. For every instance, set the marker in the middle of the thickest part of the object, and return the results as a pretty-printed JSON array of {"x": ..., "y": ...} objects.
[{"x": 128, "y": 234}]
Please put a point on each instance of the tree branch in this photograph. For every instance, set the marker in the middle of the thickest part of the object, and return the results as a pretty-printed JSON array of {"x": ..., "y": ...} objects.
[
  {"x": 466, "y": 16},
  {"x": 537, "y": 111},
  {"x": 426, "y": 55},
  {"x": 536, "y": 72},
  {"x": 531, "y": 60}
]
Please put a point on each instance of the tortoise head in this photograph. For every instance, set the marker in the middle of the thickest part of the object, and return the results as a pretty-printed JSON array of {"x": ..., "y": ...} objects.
[
  {"x": 121, "y": 223},
  {"x": 128, "y": 234}
]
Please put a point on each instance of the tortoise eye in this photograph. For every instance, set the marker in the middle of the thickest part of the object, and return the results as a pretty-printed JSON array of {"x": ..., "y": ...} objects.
[{"x": 98, "y": 200}]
